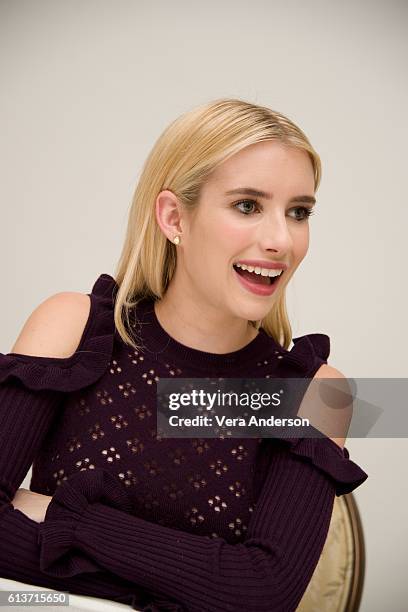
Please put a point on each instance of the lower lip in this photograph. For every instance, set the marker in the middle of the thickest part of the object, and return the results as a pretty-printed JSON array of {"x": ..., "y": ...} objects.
[{"x": 257, "y": 288}]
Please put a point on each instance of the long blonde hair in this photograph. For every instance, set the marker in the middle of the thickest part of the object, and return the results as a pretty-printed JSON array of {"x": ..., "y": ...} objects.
[{"x": 181, "y": 160}]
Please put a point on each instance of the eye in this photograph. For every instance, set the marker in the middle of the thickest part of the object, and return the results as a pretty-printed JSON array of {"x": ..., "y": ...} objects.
[
  {"x": 305, "y": 212},
  {"x": 246, "y": 212}
]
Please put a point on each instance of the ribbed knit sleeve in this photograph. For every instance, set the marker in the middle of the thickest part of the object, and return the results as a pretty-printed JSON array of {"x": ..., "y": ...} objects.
[
  {"x": 268, "y": 572},
  {"x": 32, "y": 390},
  {"x": 25, "y": 417}
]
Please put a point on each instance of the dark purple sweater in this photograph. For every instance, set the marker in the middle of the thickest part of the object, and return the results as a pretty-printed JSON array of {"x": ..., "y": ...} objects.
[{"x": 197, "y": 525}]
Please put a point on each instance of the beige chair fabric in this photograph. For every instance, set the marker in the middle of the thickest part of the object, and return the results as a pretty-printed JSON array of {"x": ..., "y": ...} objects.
[{"x": 337, "y": 582}]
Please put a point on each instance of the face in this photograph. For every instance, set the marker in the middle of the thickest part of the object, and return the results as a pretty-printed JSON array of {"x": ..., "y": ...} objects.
[{"x": 228, "y": 228}]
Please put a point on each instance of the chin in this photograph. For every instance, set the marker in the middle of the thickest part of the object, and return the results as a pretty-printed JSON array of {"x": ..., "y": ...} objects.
[{"x": 254, "y": 314}]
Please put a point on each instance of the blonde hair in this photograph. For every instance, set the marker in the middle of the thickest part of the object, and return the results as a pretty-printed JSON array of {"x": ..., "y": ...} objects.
[{"x": 181, "y": 160}]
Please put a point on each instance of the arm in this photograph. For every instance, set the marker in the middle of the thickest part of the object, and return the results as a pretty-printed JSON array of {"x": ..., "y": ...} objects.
[
  {"x": 25, "y": 417},
  {"x": 269, "y": 571},
  {"x": 330, "y": 408},
  {"x": 32, "y": 504},
  {"x": 20, "y": 560},
  {"x": 55, "y": 327},
  {"x": 26, "y": 414}
]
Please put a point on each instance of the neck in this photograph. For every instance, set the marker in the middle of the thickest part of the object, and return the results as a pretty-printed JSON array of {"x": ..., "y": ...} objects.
[{"x": 201, "y": 326}]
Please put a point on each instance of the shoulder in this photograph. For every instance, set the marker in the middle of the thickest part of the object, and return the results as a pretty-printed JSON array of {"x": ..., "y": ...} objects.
[
  {"x": 55, "y": 327},
  {"x": 328, "y": 371},
  {"x": 67, "y": 342}
]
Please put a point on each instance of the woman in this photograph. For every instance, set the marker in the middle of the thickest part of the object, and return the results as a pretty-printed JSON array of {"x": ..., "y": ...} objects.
[{"x": 115, "y": 509}]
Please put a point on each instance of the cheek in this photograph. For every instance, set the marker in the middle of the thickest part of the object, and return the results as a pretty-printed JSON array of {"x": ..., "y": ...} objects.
[
  {"x": 215, "y": 242},
  {"x": 221, "y": 239},
  {"x": 300, "y": 239},
  {"x": 233, "y": 235}
]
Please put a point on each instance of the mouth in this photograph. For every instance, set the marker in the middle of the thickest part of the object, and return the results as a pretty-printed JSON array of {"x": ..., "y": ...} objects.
[{"x": 257, "y": 279}]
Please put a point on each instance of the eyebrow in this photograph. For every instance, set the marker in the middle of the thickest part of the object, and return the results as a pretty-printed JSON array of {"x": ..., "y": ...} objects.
[{"x": 262, "y": 194}]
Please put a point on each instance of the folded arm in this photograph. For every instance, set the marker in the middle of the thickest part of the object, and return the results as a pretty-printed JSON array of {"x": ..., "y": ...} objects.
[
  {"x": 30, "y": 414},
  {"x": 32, "y": 390},
  {"x": 268, "y": 572},
  {"x": 91, "y": 544}
]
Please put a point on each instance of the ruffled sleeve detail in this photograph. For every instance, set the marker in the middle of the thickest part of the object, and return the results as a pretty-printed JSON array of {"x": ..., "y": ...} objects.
[
  {"x": 330, "y": 458},
  {"x": 308, "y": 352},
  {"x": 89, "y": 361},
  {"x": 56, "y": 535},
  {"x": 306, "y": 356}
]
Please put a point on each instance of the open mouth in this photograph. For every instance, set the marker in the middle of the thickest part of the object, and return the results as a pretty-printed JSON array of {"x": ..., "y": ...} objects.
[{"x": 259, "y": 279}]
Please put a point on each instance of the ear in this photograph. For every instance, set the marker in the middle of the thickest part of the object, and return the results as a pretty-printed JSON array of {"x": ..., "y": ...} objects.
[{"x": 168, "y": 214}]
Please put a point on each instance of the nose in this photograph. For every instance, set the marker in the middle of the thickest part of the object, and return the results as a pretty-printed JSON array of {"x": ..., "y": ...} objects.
[{"x": 274, "y": 234}]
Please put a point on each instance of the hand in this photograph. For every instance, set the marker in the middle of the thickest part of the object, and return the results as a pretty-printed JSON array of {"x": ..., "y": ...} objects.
[{"x": 33, "y": 505}]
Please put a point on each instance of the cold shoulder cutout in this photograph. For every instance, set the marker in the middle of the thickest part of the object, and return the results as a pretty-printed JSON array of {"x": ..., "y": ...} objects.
[
  {"x": 307, "y": 355},
  {"x": 85, "y": 366}
]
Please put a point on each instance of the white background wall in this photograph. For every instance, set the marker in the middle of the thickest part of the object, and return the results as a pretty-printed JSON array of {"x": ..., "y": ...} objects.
[{"x": 88, "y": 86}]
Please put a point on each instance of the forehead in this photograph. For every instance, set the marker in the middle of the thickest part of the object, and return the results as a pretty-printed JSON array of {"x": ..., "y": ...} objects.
[{"x": 266, "y": 165}]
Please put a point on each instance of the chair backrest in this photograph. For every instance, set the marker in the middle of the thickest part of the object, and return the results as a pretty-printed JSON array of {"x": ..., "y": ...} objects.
[{"x": 337, "y": 582}]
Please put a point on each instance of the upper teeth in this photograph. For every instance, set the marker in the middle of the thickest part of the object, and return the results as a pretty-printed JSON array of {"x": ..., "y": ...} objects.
[{"x": 262, "y": 271}]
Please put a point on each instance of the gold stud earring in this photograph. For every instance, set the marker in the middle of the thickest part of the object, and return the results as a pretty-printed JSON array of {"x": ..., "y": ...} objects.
[{"x": 176, "y": 240}]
